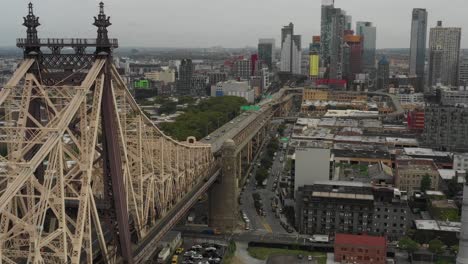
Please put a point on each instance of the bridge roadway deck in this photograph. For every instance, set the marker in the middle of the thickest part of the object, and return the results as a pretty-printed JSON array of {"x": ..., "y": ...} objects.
[
  {"x": 149, "y": 243},
  {"x": 236, "y": 125},
  {"x": 231, "y": 129}
]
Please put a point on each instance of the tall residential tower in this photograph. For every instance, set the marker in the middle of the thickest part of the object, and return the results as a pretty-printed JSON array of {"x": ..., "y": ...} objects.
[
  {"x": 444, "y": 55},
  {"x": 333, "y": 25},
  {"x": 369, "y": 34},
  {"x": 266, "y": 49},
  {"x": 183, "y": 85},
  {"x": 418, "y": 46},
  {"x": 290, "y": 50}
]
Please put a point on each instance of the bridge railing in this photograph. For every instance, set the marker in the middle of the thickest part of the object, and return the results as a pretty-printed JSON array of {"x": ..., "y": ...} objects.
[{"x": 65, "y": 42}]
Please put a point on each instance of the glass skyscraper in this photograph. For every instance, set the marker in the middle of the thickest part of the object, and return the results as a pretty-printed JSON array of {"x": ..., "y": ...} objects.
[
  {"x": 418, "y": 46},
  {"x": 266, "y": 50},
  {"x": 369, "y": 35}
]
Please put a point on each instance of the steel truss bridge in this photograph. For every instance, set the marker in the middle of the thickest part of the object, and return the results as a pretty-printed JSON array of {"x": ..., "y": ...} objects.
[{"x": 85, "y": 176}]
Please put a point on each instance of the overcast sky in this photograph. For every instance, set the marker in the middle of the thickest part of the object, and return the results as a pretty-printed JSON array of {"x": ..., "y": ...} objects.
[{"x": 229, "y": 23}]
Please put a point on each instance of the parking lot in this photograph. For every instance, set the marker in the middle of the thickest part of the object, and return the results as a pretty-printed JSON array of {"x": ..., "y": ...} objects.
[{"x": 197, "y": 252}]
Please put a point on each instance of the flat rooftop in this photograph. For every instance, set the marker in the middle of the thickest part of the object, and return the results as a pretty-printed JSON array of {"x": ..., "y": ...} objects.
[
  {"x": 368, "y": 154},
  {"x": 438, "y": 225},
  {"x": 415, "y": 164}
]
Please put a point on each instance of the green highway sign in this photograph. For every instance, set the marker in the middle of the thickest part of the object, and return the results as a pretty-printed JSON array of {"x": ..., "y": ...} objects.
[{"x": 250, "y": 108}]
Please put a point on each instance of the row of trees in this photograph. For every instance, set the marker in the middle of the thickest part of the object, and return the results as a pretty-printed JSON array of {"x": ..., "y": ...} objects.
[
  {"x": 435, "y": 246},
  {"x": 202, "y": 119},
  {"x": 267, "y": 161}
]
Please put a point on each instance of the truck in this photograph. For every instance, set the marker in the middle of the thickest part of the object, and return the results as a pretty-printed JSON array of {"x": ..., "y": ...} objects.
[
  {"x": 319, "y": 238},
  {"x": 164, "y": 255}
]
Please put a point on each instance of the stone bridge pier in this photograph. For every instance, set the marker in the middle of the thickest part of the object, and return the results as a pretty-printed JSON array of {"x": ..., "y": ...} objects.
[{"x": 223, "y": 195}]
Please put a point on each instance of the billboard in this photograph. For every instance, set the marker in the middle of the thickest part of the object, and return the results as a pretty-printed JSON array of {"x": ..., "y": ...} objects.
[
  {"x": 141, "y": 84},
  {"x": 314, "y": 65}
]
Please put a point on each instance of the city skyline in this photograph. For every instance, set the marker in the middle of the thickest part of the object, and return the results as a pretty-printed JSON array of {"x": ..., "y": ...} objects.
[{"x": 194, "y": 25}]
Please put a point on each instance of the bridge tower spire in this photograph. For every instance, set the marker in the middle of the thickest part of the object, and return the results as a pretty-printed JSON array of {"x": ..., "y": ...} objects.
[
  {"x": 31, "y": 22},
  {"x": 102, "y": 22}
]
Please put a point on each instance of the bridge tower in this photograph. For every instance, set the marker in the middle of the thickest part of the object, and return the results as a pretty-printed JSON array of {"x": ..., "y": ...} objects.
[{"x": 223, "y": 196}]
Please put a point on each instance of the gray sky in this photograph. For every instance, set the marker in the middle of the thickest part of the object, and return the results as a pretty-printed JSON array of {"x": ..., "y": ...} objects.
[{"x": 229, "y": 23}]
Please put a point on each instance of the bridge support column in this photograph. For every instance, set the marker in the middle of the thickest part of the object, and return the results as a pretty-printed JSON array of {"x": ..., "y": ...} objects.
[{"x": 224, "y": 193}]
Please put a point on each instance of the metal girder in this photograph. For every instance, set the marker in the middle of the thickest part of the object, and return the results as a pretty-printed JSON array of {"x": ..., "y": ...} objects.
[{"x": 56, "y": 218}]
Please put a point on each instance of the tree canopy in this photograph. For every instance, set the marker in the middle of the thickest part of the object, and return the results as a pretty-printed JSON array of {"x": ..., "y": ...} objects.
[
  {"x": 426, "y": 183},
  {"x": 200, "y": 120},
  {"x": 436, "y": 246},
  {"x": 408, "y": 244}
]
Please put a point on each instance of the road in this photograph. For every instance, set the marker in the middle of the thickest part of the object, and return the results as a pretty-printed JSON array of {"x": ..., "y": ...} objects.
[
  {"x": 271, "y": 221},
  {"x": 256, "y": 236}
]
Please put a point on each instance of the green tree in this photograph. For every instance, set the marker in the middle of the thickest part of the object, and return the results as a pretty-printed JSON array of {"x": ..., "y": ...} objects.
[
  {"x": 266, "y": 162},
  {"x": 202, "y": 119},
  {"x": 453, "y": 187},
  {"x": 281, "y": 129},
  {"x": 262, "y": 174},
  {"x": 425, "y": 183},
  {"x": 408, "y": 244},
  {"x": 436, "y": 246},
  {"x": 454, "y": 249},
  {"x": 168, "y": 108}
]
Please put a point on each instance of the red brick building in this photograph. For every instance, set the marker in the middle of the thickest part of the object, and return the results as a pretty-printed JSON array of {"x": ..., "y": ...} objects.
[
  {"x": 361, "y": 249},
  {"x": 416, "y": 120}
]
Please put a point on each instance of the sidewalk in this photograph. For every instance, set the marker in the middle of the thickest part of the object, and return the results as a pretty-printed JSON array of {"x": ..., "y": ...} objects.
[{"x": 243, "y": 256}]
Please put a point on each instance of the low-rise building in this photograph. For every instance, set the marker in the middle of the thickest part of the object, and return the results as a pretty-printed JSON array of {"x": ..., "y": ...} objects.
[
  {"x": 446, "y": 231},
  {"x": 311, "y": 165},
  {"x": 199, "y": 85},
  {"x": 351, "y": 207},
  {"x": 410, "y": 172},
  {"x": 446, "y": 127},
  {"x": 361, "y": 249},
  {"x": 442, "y": 159},
  {"x": 391, "y": 213},
  {"x": 411, "y": 99},
  {"x": 164, "y": 75},
  {"x": 360, "y": 156},
  {"x": 454, "y": 97},
  {"x": 335, "y": 207},
  {"x": 460, "y": 161},
  {"x": 234, "y": 88},
  {"x": 415, "y": 120}
]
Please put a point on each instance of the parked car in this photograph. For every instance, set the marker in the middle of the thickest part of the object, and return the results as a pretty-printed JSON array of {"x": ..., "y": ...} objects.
[
  {"x": 197, "y": 256},
  {"x": 189, "y": 253}
]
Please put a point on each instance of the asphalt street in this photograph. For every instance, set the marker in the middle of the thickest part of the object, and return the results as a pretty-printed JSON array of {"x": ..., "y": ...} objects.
[{"x": 271, "y": 221}]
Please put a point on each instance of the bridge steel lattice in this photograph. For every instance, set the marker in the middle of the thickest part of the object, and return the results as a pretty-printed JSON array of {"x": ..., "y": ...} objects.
[{"x": 83, "y": 172}]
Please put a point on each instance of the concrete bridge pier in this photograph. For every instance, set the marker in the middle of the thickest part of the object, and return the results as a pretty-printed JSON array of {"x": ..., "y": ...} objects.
[{"x": 223, "y": 195}]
